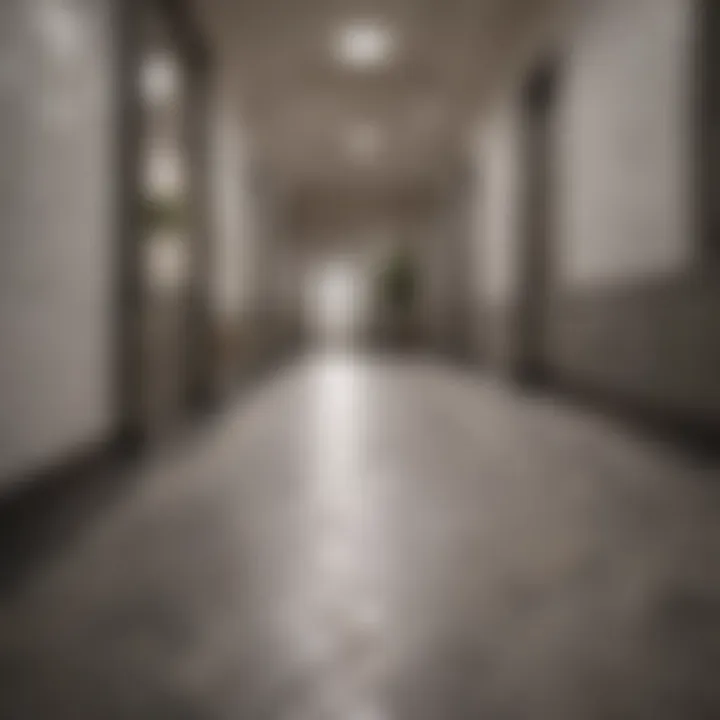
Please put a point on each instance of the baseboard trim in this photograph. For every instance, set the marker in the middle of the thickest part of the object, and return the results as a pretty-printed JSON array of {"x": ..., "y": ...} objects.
[
  {"x": 53, "y": 478},
  {"x": 43, "y": 508},
  {"x": 695, "y": 432}
]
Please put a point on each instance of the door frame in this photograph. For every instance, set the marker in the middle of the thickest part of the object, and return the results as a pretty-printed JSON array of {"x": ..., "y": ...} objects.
[
  {"x": 538, "y": 210},
  {"x": 128, "y": 259}
]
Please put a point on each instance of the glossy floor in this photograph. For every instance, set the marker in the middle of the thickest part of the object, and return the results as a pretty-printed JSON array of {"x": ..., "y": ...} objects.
[{"x": 377, "y": 539}]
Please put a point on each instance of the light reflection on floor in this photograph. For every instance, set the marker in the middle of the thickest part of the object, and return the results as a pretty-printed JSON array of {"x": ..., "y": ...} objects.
[
  {"x": 339, "y": 629},
  {"x": 382, "y": 539}
]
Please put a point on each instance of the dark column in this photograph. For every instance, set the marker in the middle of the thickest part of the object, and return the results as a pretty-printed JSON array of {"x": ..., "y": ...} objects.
[
  {"x": 201, "y": 347},
  {"x": 128, "y": 350},
  {"x": 535, "y": 252}
]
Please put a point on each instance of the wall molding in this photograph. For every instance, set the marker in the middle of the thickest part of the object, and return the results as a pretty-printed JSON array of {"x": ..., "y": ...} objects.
[{"x": 696, "y": 432}]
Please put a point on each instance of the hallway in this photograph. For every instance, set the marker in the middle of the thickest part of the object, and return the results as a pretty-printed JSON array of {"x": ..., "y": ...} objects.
[{"x": 385, "y": 538}]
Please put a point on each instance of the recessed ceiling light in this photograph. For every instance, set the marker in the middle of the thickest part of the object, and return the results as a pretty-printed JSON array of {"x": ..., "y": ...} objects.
[{"x": 364, "y": 44}]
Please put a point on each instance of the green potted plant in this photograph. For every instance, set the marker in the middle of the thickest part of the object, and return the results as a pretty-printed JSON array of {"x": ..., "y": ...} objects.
[{"x": 398, "y": 291}]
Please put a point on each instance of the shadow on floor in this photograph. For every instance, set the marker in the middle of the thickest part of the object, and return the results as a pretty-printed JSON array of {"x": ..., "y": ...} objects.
[{"x": 42, "y": 513}]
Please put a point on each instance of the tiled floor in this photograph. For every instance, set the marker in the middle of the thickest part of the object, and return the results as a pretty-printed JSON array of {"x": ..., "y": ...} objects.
[{"x": 380, "y": 539}]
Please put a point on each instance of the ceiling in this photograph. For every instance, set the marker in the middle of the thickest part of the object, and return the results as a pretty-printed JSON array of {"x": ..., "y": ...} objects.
[{"x": 318, "y": 122}]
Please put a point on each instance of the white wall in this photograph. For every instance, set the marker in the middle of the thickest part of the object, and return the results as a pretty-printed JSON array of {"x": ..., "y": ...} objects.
[
  {"x": 255, "y": 269},
  {"x": 497, "y": 225},
  {"x": 628, "y": 314},
  {"x": 625, "y": 143},
  {"x": 233, "y": 252},
  {"x": 242, "y": 236},
  {"x": 442, "y": 230},
  {"x": 57, "y": 243}
]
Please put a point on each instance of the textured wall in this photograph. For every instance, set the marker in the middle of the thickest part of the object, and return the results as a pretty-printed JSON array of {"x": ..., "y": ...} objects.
[
  {"x": 56, "y": 281},
  {"x": 631, "y": 316},
  {"x": 252, "y": 264},
  {"x": 627, "y": 312}
]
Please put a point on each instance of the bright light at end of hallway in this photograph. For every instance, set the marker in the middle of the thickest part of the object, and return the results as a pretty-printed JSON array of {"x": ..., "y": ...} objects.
[
  {"x": 364, "y": 44},
  {"x": 335, "y": 298}
]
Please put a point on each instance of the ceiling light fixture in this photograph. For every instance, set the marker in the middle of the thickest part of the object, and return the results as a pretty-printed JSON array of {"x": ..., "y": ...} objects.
[{"x": 364, "y": 44}]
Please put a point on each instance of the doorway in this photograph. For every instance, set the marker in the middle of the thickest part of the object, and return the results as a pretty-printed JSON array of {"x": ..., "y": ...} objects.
[
  {"x": 163, "y": 288},
  {"x": 164, "y": 233},
  {"x": 336, "y": 302},
  {"x": 536, "y": 251}
]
